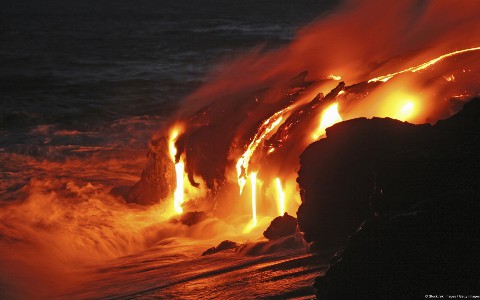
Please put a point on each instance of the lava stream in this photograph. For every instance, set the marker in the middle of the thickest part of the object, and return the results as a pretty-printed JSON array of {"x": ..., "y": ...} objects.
[
  {"x": 423, "y": 66},
  {"x": 281, "y": 197},
  {"x": 179, "y": 174},
  {"x": 244, "y": 161},
  {"x": 330, "y": 116}
]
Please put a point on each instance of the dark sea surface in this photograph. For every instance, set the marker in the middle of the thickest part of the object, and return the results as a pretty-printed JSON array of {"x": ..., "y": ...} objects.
[{"x": 90, "y": 67}]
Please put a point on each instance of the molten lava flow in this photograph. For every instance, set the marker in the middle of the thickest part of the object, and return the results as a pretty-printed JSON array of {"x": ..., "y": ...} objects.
[
  {"x": 253, "y": 182},
  {"x": 405, "y": 112},
  {"x": 423, "y": 66},
  {"x": 280, "y": 197},
  {"x": 330, "y": 116},
  {"x": 335, "y": 77},
  {"x": 171, "y": 144},
  {"x": 338, "y": 75},
  {"x": 179, "y": 173},
  {"x": 401, "y": 105},
  {"x": 263, "y": 131},
  {"x": 179, "y": 194}
]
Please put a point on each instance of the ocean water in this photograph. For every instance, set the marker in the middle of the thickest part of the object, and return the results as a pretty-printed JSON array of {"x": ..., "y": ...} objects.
[
  {"x": 82, "y": 66},
  {"x": 83, "y": 87}
]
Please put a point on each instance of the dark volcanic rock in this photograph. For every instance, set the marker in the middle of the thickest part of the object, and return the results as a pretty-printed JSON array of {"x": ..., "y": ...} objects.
[
  {"x": 336, "y": 177},
  {"x": 158, "y": 178},
  {"x": 281, "y": 226},
  {"x": 417, "y": 187},
  {"x": 193, "y": 217},
  {"x": 383, "y": 166},
  {"x": 225, "y": 245},
  {"x": 432, "y": 249},
  {"x": 286, "y": 243}
]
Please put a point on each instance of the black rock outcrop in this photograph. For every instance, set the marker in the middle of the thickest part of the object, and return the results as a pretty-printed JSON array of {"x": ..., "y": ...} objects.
[
  {"x": 158, "y": 178},
  {"x": 193, "y": 217},
  {"x": 383, "y": 166},
  {"x": 416, "y": 190},
  {"x": 225, "y": 245},
  {"x": 434, "y": 249},
  {"x": 280, "y": 227}
]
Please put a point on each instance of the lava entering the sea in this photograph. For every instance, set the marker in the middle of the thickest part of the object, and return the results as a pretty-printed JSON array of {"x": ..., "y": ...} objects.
[{"x": 257, "y": 114}]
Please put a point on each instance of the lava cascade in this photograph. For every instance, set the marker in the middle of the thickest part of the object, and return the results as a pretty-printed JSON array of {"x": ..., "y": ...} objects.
[{"x": 413, "y": 61}]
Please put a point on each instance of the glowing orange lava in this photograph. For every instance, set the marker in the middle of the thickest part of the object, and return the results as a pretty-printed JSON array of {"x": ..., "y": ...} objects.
[
  {"x": 179, "y": 192},
  {"x": 297, "y": 100},
  {"x": 335, "y": 77},
  {"x": 178, "y": 196},
  {"x": 406, "y": 111},
  {"x": 423, "y": 66},
  {"x": 280, "y": 197},
  {"x": 253, "y": 182},
  {"x": 244, "y": 161},
  {"x": 330, "y": 116}
]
